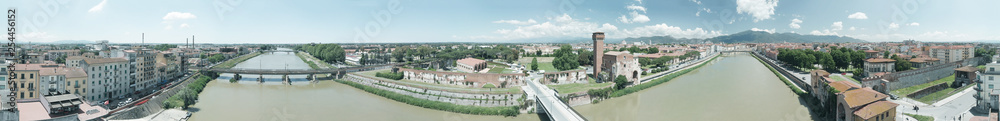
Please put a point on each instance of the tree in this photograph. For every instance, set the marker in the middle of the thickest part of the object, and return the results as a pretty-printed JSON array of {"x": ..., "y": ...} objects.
[
  {"x": 886, "y": 54},
  {"x": 827, "y": 61},
  {"x": 858, "y": 59},
  {"x": 620, "y": 82},
  {"x": 585, "y": 57},
  {"x": 565, "y": 59},
  {"x": 534, "y": 64},
  {"x": 902, "y": 64},
  {"x": 645, "y": 61},
  {"x": 61, "y": 59}
]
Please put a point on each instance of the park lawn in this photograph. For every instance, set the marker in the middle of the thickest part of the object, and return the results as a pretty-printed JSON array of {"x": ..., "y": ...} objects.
[
  {"x": 527, "y": 60},
  {"x": 842, "y": 78},
  {"x": 578, "y": 87},
  {"x": 547, "y": 66},
  {"x": 495, "y": 64},
  {"x": 912, "y": 89},
  {"x": 920, "y": 117},
  {"x": 981, "y": 67},
  {"x": 934, "y": 97}
]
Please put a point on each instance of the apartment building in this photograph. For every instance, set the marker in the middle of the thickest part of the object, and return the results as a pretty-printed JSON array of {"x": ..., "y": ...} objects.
[{"x": 107, "y": 78}]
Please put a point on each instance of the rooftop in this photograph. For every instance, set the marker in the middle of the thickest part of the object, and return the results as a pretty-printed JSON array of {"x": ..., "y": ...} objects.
[
  {"x": 875, "y": 109},
  {"x": 879, "y": 60},
  {"x": 470, "y": 61},
  {"x": 967, "y": 69},
  {"x": 858, "y": 97}
]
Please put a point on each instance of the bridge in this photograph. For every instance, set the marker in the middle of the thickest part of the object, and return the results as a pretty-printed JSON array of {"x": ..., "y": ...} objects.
[
  {"x": 279, "y": 50},
  {"x": 547, "y": 101},
  {"x": 337, "y": 71}
]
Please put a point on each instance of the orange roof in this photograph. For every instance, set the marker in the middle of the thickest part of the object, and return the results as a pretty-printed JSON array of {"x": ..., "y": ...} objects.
[
  {"x": 875, "y": 109},
  {"x": 842, "y": 86},
  {"x": 858, "y": 97},
  {"x": 879, "y": 60},
  {"x": 470, "y": 61}
]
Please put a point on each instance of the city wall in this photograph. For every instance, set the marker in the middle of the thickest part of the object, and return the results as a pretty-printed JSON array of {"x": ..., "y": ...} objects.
[
  {"x": 566, "y": 77},
  {"x": 903, "y": 79},
  {"x": 463, "y": 79}
]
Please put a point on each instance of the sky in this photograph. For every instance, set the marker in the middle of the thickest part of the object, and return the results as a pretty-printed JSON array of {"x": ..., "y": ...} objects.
[{"x": 406, "y": 21}]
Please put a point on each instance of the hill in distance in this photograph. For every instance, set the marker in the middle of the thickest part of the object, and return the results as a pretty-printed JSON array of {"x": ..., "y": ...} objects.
[{"x": 751, "y": 37}]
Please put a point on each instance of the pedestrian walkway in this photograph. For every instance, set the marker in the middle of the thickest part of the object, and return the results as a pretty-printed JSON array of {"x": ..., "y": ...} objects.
[{"x": 952, "y": 97}]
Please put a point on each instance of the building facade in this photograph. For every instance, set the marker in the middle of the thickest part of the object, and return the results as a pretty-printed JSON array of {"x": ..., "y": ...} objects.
[
  {"x": 621, "y": 64},
  {"x": 26, "y": 81},
  {"x": 877, "y": 65},
  {"x": 471, "y": 65},
  {"x": 952, "y": 53},
  {"x": 107, "y": 78},
  {"x": 988, "y": 88}
]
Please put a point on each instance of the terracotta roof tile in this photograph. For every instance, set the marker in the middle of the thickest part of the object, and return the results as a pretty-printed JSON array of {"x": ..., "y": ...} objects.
[
  {"x": 858, "y": 97},
  {"x": 874, "y": 109}
]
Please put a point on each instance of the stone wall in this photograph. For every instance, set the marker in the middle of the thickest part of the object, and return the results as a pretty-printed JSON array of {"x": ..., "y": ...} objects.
[
  {"x": 903, "y": 79},
  {"x": 566, "y": 77},
  {"x": 462, "y": 79},
  {"x": 925, "y": 91},
  {"x": 472, "y": 99}
]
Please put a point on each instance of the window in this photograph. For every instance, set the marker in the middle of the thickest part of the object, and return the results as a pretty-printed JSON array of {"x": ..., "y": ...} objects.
[
  {"x": 22, "y": 94},
  {"x": 991, "y": 86},
  {"x": 3, "y": 87},
  {"x": 992, "y": 69},
  {"x": 32, "y": 76},
  {"x": 22, "y": 86},
  {"x": 22, "y": 76}
]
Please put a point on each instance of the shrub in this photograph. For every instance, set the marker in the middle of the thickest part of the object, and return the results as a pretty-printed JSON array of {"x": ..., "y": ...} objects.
[
  {"x": 390, "y": 75},
  {"x": 465, "y": 109}
]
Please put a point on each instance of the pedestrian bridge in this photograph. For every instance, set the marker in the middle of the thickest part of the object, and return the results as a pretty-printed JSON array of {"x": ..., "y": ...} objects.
[{"x": 547, "y": 101}]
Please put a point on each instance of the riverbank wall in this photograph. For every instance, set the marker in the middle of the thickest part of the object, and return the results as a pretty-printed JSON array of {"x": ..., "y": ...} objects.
[{"x": 797, "y": 81}]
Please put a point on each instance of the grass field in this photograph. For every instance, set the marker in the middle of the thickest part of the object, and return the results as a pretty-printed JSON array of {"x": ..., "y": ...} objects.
[
  {"x": 920, "y": 117},
  {"x": 578, "y": 87},
  {"x": 547, "y": 66},
  {"x": 911, "y": 89},
  {"x": 844, "y": 78}
]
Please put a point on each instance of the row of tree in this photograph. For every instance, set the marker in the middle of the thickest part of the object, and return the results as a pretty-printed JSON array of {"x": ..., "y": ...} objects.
[
  {"x": 330, "y": 53},
  {"x": 835, "y": 59}
]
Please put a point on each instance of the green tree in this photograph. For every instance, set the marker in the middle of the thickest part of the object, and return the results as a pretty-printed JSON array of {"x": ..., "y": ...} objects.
[
  {"x": 621, "y": 82},
  {"x": 534, "y": 64},
  {"x": 901, "y": 64},
  {"x": 585, "y": 57},
  {"x": 565, "y": 59}
]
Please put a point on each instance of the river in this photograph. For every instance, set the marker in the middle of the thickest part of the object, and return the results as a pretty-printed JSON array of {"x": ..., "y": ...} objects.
[{"x": 732, "y": 87}]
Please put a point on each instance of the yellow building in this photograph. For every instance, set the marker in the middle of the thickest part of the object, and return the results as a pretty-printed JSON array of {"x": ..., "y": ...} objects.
[
  {"x": 76, "y": 81},
  {"x": 26, "y": 81}
]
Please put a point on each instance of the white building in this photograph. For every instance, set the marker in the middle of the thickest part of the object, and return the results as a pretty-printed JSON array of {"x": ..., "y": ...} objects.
[
  {"x": 107, "y": 78},
  {"x": 4, "y": 91},
  {"x": 988, "y": 88},
  {"x": 952, "y": 53}
]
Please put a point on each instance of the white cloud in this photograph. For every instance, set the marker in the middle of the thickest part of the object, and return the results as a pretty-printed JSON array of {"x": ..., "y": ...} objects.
[
  {"x": 795, "y": 24},
  {"x": 933, "y": 36},
  {"x": 636, "y": 17},
  {"x": 696, "y": 1},
  {"x": 837, "y": 26},
  {"x": 824, "y": 32},
  {"x": 517, "y": 22},
  {"x": 914, "y": 24},
  {"x": 562, "y": 26},
  {"x": 636, "y": 8},
  {"x": 663, "y": 29},
  {"x": 185, "y": 25},
  {"x": 759, "y": 9},
  {"x": 697, "y": 13},
  {"x": 565, "y": 26},
  {"x": 852, "y": 28},
  {"x": 893, "y": 25},
  {"x": 858, "y": 15},
  {"x": 763, "y": 30},
  {"x": 178, "y": 16},
  {"x": 640, "y": 1},
  {"x": 169, "y": 27},
  {"x": 98, "y": 7}
]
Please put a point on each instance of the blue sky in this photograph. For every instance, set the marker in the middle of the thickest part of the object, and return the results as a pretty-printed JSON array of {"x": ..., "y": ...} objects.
[{"x": 348, "y": 21}]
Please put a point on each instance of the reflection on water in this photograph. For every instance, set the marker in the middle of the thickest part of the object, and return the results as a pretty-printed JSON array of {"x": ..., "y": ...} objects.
[{"x": 733, "y": 87}]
